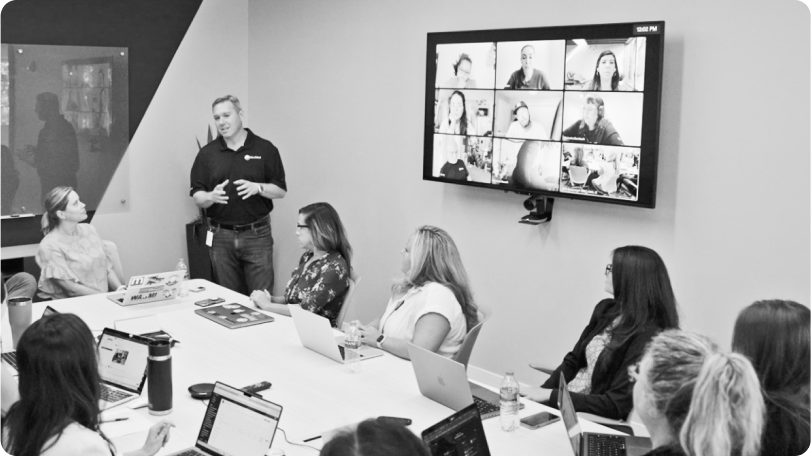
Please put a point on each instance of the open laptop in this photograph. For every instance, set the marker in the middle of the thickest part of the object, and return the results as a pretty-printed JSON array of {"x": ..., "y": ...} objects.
[
  {"x": 594, "y": 444},
  {"x": 122, "y": 366},
  {"x": 11, "y": 357},
  {"x": 149, "y": 288},
  {"x": 316, "y": 333},
  {"x": 235, "y": 423},
  {"x": 460, "y": 434},
  {"x": 445, "y": 381}
]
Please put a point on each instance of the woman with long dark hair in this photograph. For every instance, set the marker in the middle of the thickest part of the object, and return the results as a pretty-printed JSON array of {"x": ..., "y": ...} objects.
[
  {"x": 432, "y": 305},
  {"x": 321, "y": 280},
  {"x": 606, "y": 76},
  {"x": 696, "y": 400},
  {"x": 58, "y": 409},
  {"x": 615, "y": 338},
  {"x": 775, "y": 335},
  {"x": 457, "y": 122}
]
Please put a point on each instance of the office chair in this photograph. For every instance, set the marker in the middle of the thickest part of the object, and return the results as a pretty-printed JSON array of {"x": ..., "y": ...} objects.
[
  {"x": 578, "y": 175},
  {"x": 463, "y": 355},
  {"x": 354, "y": 279}
]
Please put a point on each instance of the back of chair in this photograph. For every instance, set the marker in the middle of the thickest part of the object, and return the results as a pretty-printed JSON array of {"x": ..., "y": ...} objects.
[
  {"x": 463, "y": 355},
  {"x": 578, "y": 174},
  {"x": 354, "y": 279}
]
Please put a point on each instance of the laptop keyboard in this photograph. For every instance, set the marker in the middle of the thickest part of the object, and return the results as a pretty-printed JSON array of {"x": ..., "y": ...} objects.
[
  {"x": 343, "y": 352},
  {"x": 110, "y": 395},
  {"x": 11, "y": 358},
  {"x": 192, "y": 452},
  {"x": 485, "y": 408},
  {"x": 606, "y": 445}
]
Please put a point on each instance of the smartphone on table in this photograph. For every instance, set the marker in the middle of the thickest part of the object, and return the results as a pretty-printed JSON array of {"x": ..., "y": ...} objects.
[{"x": 538, "y": 420}]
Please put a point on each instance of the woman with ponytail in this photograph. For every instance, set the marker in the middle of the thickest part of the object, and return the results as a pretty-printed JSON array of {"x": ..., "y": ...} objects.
[
  {"x": 73, "y": 258},
  {"x": 774, "y": 335},
  {"x": 696, "y": 400}
]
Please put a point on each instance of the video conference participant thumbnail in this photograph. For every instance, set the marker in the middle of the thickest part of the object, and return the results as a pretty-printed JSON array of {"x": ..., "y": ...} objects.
[
  {"x": 466, "y": 66},
  {"x": 605, "y": 65},
  {"x": 539, "y": 65},
  {"x": 521, "y": 114},
  {"x": 535, "y": 166},
  {"x": 613, "y": 119},
  {"x": 600, "y": 170},
  {"x": 462, "y": 158},
  {"x": 464, "y": 112}
]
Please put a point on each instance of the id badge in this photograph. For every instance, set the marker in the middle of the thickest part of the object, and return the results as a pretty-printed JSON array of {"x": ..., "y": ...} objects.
[{"x": 209, "y": 238}]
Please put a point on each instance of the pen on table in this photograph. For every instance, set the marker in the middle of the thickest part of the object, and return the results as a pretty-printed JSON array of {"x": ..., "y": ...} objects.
[
  {"x": 312, "y": 438},
  {"x": 123, "y": 418}
]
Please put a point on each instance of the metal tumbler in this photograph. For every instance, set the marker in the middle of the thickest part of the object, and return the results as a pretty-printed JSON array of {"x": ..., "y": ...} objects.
[
  {"x": 159, "y": 377},
  {"x": 19, "y": 317}
]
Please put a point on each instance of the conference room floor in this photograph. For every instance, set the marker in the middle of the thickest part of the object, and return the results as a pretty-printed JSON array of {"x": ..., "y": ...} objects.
[{"x": 317, "y": 393}]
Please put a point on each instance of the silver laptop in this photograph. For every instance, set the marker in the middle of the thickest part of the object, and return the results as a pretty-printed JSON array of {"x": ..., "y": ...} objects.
[
  {"x": 122, "y": 366},
  {"x": 445, "y": 381},
  {"x": 315, "y": 333},
  {"x": 595, "y": 444},
  {"x": 149, "y": 288},
  {"x": 11, "y": 357},
  {"x": 236, "y": 423}
]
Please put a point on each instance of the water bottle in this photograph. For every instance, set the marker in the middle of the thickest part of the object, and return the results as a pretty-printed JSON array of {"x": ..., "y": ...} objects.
[
  {"x": 159, "y": 378},
  {"x": 183, "y": 286},
  {"x": 509, "y": 403},
  {"x": 351, "y": 348}
]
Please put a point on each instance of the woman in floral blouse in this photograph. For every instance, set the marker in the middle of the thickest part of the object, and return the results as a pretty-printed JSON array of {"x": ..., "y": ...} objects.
[{"x": 321, "y": 280}]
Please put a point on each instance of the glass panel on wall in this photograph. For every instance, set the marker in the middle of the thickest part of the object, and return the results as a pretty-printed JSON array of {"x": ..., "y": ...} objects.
[{"x": 64, "y": 122}]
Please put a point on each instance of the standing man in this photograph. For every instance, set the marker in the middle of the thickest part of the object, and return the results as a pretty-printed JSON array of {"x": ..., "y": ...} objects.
[{"x": 235, "y": 178}]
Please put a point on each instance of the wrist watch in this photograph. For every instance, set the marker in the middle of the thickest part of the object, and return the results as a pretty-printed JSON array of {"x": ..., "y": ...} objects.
[
  {"x": 261, "y": 189},
  {"x": 380, "y": 340}
]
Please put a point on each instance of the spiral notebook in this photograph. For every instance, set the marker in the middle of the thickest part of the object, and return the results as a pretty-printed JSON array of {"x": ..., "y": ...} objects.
[{"x": 234, "y": 315}]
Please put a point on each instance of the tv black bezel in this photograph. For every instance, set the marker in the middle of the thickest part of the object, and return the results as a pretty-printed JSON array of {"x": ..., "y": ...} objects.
[{"x": 651, "y": 106}]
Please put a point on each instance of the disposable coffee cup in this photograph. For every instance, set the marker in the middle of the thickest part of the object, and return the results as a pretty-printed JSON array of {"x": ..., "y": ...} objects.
[{"x": 19, "y": 317}]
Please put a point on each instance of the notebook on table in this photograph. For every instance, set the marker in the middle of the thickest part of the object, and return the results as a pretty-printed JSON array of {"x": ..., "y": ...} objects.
[
  {"x": 596, "y": 444},
  {"x": 460, "y": 434},
  {"x": 122, "y": 366},
  {"x": 445, "y": 381},
  {"x": 149, "y": 288},
  {"x": 234, "y": 315},
  {"x": 315, "y": 333},
  {"x": 11, "y": 357},
  {"x": 235, "y": 423}
]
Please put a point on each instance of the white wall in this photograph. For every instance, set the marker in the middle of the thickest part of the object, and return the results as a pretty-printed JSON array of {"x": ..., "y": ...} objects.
[
  {"x": 211, "y": 61},
  {"x": 338, "y": 87}
]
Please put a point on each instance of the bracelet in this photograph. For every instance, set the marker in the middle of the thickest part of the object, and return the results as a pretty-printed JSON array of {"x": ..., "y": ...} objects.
[{"x": 261, "y": 189}]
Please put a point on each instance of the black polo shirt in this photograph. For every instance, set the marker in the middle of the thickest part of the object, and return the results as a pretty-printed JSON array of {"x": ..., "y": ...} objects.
[{"x": 258, "y": 161}]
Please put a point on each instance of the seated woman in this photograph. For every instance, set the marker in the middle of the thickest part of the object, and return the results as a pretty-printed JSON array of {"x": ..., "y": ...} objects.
[
  {"x": 321, "y": 280},
  {"x": 432, "y": 306},
  {"x": 615, "y": 338},
  {"x": 373, "y": 438},
  {"x": 73, "y": 258},
  {"x": 774, "y": 335},
  {"x": 59, "y": 390},
  {"x": 697, "y": 401}
]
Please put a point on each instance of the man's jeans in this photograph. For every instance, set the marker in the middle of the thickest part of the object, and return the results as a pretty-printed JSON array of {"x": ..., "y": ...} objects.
[{"x": 243, "y": 261}]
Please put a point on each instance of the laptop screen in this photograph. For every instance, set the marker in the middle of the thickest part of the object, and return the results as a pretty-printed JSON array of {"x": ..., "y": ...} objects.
[
  {"x": 459, "y": 434},
  {"x": 238, "y": 423},
  {"x": 49, "y": 311},
  {"x": 569, "y": 416},
  {"x": 122, "y": 359}
]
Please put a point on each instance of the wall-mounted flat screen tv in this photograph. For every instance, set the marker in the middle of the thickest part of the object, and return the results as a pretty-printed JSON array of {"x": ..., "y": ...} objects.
[{"x": 569, "y": 112}]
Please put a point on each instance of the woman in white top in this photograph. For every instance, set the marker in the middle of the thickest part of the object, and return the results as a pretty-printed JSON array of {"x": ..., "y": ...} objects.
[
  {"x": 456, "y": 122},
  {"x": 59, "y": 385},
  {"x": 431, "y": 306}
]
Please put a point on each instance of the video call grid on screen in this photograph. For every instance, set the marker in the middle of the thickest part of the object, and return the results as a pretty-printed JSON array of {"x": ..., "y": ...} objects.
[{"x": 558, "y": 133}]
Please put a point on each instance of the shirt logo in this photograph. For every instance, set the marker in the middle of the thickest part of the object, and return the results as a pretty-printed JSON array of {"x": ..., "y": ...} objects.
[{"x": 255, "y": 157}]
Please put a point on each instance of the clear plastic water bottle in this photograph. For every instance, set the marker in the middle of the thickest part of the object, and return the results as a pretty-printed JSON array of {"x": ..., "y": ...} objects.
[
  {"x": 509, "y": 403},
  {"x": 183, "y": 286},
  {"x": 351, "y": 347}
]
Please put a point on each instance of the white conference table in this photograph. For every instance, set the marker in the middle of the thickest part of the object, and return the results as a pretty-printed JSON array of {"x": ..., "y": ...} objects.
[{"x": 317, "y": 394}]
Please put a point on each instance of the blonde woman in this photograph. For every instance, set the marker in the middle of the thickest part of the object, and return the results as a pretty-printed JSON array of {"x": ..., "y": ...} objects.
[
  {"x": 73, "y": 258},
  {"x": 696, "y": 400},
  {"x": 432, "y": 305}
]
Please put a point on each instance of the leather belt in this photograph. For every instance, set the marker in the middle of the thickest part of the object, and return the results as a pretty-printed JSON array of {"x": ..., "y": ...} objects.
[{"x": 264, "y": 221}]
